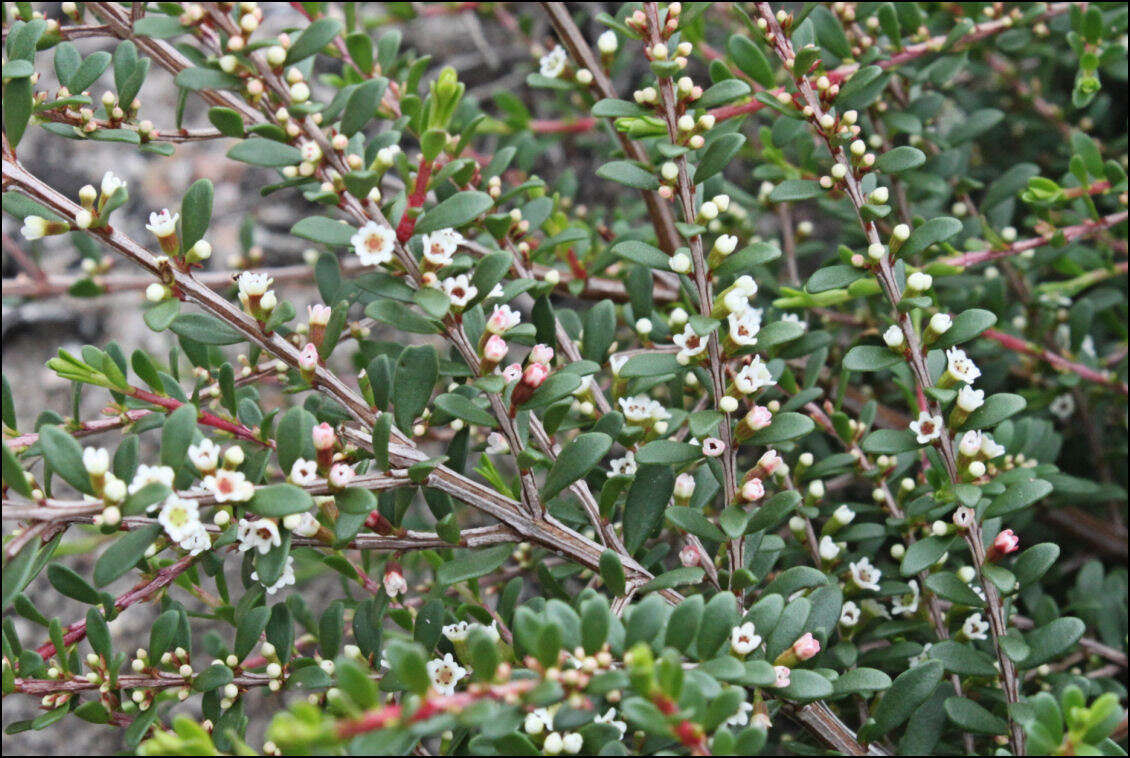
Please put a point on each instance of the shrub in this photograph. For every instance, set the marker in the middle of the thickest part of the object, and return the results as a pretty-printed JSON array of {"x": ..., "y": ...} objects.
[{"x": 778, "y": 405}]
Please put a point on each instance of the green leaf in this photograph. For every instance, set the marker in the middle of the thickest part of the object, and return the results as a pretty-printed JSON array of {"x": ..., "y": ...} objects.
[
  {"x": 717, "y": 156},
  {"x": 722, "y": 93},
  {"x": 464, "y": 408},
  {"x": 88, "y": 73},
  {"x": 576, "y": 460},
  {"x": 471, "y": 564},
  {"x": 947, "y": 585},
  {"x": 212, "y": 678},
  {"x": 198, "y": 78},
  {"x": 362, "y": 105},
  {"x": 870, "y": 358},
  {"x": 458, "y": 210},
  {"x": 832, "y": 277},
  {"x": 792, "y": 190},
  {"x": 415, "y": 375},
  {"x": 962, "y": 659},
  {"x": 328, "y": 231},
  {"x": 996, "y": 409},
  {"x": 974, "y": 124},
  {"x": 400, "y": 316},
  {"x": 14, "y": 473},
  {"x": 909, "y": 690},
  {"x": 923, "y": 554},
  {"x": 64, "y": 455},
  {"x": 265, "y": 152},
  {"x": 195, "y": 213},
  {"x": 749, "y": 58},
  {"x": 612, "y": 572},
  {"x": 1034, "y": 562},
  {"x": 156, "y": 26},
  {"x": 646, "y": 501},
  {"x": 250, "y": 626},
  {"x": 293, "y": 436},
  {"x": 1018, "y": 496},
  {"x": 966, "y": 325},
  {"x": 692, "y": 520},
  {"x": 630, "y": 174},
  {"x": 684, "y": 623},
  {"x": 205, "y": 329},
  {"x": 313, "y": 38},
  {"x": 900, "y": 159},
  {"x": 973, "y": 717},
  {"x": 355, "y": 500},
  {"x": 860, "y": 680},
  {"x": 806, "y": 685},
  {"x": 1052, "y": 640},
  {"x": 773, "y": 511},
  {"x": 177, "y": 434},
  {"x": 67, "y": 582},
  {"x": 718, "y": 618},
  {"x": 227, "y": 121},
  {"x": 123, "y": 554},
  {"x": 17, "y": 105},
  {"x": 932, "y": 232},
  {"x": 785, "y": 426},
  {"x": 275, "y": 500},
  {"x": 668, "y": 452},
  {"x": 645, "y": 255},
  {"x": 889, "y": 441},
  {"x": 674, "y": 578}
]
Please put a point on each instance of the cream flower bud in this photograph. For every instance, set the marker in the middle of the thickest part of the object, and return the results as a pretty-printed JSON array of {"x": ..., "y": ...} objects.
[
  {"x": 901, "y": 233},
  {"x": 893, "y": 336}
]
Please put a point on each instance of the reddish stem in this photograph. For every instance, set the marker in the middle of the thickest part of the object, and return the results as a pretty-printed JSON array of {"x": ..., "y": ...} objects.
[
  {"x": 419, "y": 193},
  {"x": 204, "y": 417},
  {"x": 1057, "y": 361},
  {"x": 562, "y": 126}
]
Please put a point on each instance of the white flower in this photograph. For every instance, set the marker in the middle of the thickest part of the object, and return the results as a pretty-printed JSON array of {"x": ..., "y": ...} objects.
[
  {"x": 607, "y": 43},
  {"x": 712, "y": 447},
  {"x": 726, "y": 244},
  {"x": 553, "y": 62},
  {"x": 843, "y": 515},
  {"x": 873, "y": 607},
  {"x": 795, "y": 319},
  {"x": 744, "y": 326},
  {"x": 572, "y": 742},
  {"x": 303, "y": 472},
  {"x": 893, "y": 336},
  {"x": 922, "y": 657},
  {"x": 205, "y": 455},
  {"x": 341, "y": 474},
  {"x": 690, "y": 344},
  {"x": 940, "y": 323},
  {"x": 395, "y": 584},
  {"x": 456, "y": 632},
  {"x": 111, "y": 183},
  {"x": 927, "y": 427},
  {"x": 301, "y": 524},
  {"x": 865, "y": 576},
  {"x": 445, "y": 673},
  {"x": 34, "y": 228},
  {"x": 684, "y": 485},
  {"x": 609, "y": 717},
  {"x": 960, "y": 366},
  {"x": 180, "y": 518},
  {"x": 741, "y": 718},
  {"x": 849, "y": 614},
  {"x": 497, "y": 444},
  {"x": 828, "y": 548},
  {"x": 735, "y": 301},
  {"x": 906, "y": 605},
  {"x": 373, "y": 243},
  {"x": 969, "y": 399},
  {"x": 163, "y": 223},
  {"x": 96, "y": 460},
  {"x": 753, "y": 377},
  {"x": 197, "y": 541},
  {"x": 990, "y": 449},
  {"x": 744, "y": 639},
  {"x": 311, "y": 151},
  {"x": 251, "y": 283},
  {"x": 503, "y": 319},
  {"x": 975, "y": 628},
  {"x": 150, "y": 474},
  {"x": 970, "y": 443},
  {"x": 459, "y": 290},
  {"x": 229, "y": 486},
  {"x": 285, "y": 579},
  {"x": 1062, "y": 407},
  {"x": 261, "y": 534},
  {"x": 625, "y": 466},
  {"x": 440, "y": 246}
]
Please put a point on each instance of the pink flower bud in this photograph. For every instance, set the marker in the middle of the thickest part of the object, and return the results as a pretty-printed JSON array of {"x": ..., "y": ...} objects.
[
  {"x": 689, "y": 555},
  {"x": 753, "y": 490},
  {"x": 1006, "y": 542},
  {"x": 512, "y": 372},
  {"x": 324, "y": 437},
  {"x": 308, "y": 358},
  {"x": 759, "y": 417},
  {"x": 769, "y": 462},
  {"x": 806, "y": 647},
  {"x": 541, "y": 354},
  {"x": 534, "y": 375},
  {"x": 318, "y": 315},
  {"x": 782, "y": 673},
  {"x": 684, "y": 486},
  {"x": 495, "y": 349},
  {"x": 394, "y": 580}
]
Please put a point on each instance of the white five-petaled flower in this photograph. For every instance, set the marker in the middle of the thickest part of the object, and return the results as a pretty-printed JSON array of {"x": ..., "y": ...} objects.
[
  {"x": 445, "y": 673},
  {"x": 922, "y": 657},
  {"x": 990, "y": 448},
  {"x": 502, "y": 319},
  {"x": 311, "y": 151},
  {"x": 197, "y": 541},
  {"x": 111, "y": 183},
  {"x": 303, "y": 472},
  {"x": 927, "y": 427},
  {"x": 625, "y": 466},
  {"x": 162, "y": 223},
  {"x": 969, "y": 399},
  {"x": 609, "y": 716},
  {"x": 459, "y": 290},
  {"x": 179, "y": 517},
  {"x": 689, "y": 342},
  {"x": 260, "y": 534},
  {"x": 640, "y": 409},
  {"x": 828, "y": 548},
  {"x": 96, "y": 460},
  {"x": 865, "y": 576},
  {"x": 712, "y": 447},
  {"x": 286, "y": 578},
  {"x": 341, "y": 474},
  {"x": 149, "y": 475},
  {"x": 906, "y": 605},
  {"x": 254, "y": 284},
  {"x": 783, "y": 677},
  {"x": 301, "y": 524},
  {"x": 975, "y": 628},
  {"x": 849, "y": 614},
  {"x": 229, "y": 486},
  {"x": 970, "y": 443},
  {"x": 440, "y": 246},
  {"x": 373, "y": 243},
  {"x": 744, "y": 326},
  {"x": 741, "y": 718},
  {"x": 1062, "y": 407},
  {"x": 553, "y": 62},
  {"x": 795, "y": 319},
  {"x": 753, "y": 376},
  {"x": 395, "y": 583},
  {"x": 457, "y": 632},
  {"x": 960, "y": 366},
  {"x": 204, "y": 455},
  {"x": 744, "y": 639}
]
